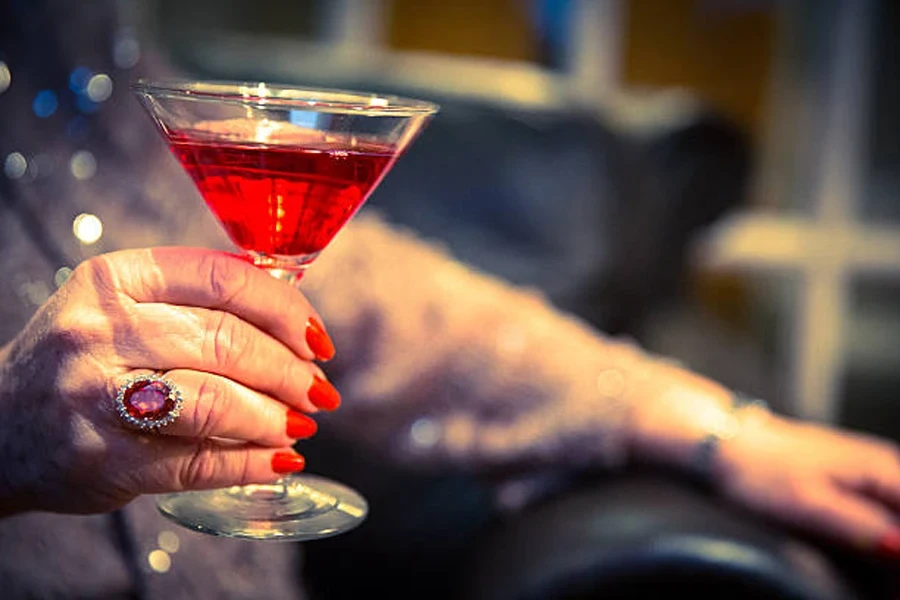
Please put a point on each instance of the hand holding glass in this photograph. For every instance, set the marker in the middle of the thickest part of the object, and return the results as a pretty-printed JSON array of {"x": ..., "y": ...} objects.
[{"x": 283, "y": 169}]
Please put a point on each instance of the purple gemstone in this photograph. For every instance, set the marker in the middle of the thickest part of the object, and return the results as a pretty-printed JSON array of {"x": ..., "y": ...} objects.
[{"x": 148, "y": 400}]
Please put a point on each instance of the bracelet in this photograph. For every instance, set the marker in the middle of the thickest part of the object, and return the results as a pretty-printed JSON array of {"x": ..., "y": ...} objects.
[{"x": 727, "y": 426}]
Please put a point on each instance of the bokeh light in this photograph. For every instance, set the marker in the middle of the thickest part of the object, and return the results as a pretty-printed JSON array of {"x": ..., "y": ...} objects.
[
  {"x": 159, "y": 561},
  {"x": 87, "y": 228},
  {"x": 45, "y": 103},
  {"x": 99, "y": 87},
  {"x": 168, "y": 541},
  {"x": 83, "y": 165},
  {"x": 5, "y": 77},
  {"x": 15, "y": 165},
  {"x": 126, "y": 50},
  {"x": 61, "y": 276}
]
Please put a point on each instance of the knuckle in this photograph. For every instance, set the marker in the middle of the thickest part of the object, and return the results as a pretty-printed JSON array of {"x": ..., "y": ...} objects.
[
  {"x": 87, "y": 305},
  {"x": 213, "y": 403},
  {"x": 226, "y": 340},
  {"x": 82, "y": 273},
  {"x": 87, "y": 271},
  {"x": 200, "y": 467},
  {"x": 96, "y": 274},
  {"x": 228, "y": 277},
  {"x": 288, "y": 374},
  {"x": 206, "y": 466},
  {"x": 75, "y": 328},
  {"x": 243, "y": 471},
  {"x": 69, "y": 322}
]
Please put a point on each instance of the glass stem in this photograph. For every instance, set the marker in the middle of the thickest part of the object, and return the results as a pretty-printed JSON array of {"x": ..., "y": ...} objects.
[{"x": 293, "y": 277}]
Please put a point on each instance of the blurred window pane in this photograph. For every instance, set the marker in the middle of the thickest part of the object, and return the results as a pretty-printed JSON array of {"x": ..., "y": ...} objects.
[
  {"x": 721, "y": 50},
  {"x": 881, "y": 199},
  {"x": 290, "y": 18},
  {"x": 494, "y": 28},
  {"x": 500, "y": 29},
  {"x": 872, "y": 369}
]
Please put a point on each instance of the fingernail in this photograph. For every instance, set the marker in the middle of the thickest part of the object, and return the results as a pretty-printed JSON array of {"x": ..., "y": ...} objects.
[
  {"x": 890, "y": 544},
  {"x": 299, "y": 426},
  {"x": 318, "y": 340},
  {"x": 287, "y": 462},
  {"x": 322, "y": 394}
]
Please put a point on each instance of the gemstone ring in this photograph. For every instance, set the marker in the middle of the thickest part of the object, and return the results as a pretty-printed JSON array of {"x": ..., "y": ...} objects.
[{"x": 148, "y": 402}]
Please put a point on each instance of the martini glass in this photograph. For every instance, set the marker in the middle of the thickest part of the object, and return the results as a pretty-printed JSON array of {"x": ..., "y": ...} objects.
[{"x": 283, "y": 169}]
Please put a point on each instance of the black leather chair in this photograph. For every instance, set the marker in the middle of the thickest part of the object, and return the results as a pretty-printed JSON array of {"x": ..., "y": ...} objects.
[
  {"x": 600, "y": 223},
  {"x": 643, "y": 536}
]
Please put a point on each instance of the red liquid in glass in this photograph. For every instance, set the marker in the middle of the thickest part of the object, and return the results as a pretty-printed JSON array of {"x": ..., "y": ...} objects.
[{"x": 281, "y": 200}]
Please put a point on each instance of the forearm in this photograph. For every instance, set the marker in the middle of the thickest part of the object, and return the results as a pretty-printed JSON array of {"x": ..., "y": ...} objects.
[{"x": 444, "y": 366}]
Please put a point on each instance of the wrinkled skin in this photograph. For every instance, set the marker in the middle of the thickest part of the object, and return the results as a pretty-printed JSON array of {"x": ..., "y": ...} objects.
[{"x": 229, "y": 336}]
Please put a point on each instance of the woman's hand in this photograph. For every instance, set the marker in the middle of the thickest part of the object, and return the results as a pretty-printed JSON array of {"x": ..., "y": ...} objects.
[
  {"x": 840, "y": 486},
  {"x": 237, "y": 343}
]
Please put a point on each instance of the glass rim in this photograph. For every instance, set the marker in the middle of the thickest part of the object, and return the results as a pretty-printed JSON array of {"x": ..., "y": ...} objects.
[{"x": 262, "y": 94}]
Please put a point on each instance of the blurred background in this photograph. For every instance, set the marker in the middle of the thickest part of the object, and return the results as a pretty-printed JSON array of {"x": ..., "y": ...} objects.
[
  {"x": 718, "y": 179},
  {"x": 751, "y": 145},
  {"x": 715, "y": 178}
]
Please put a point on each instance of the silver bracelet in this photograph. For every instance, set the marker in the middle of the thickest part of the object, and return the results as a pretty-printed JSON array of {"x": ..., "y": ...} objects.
[{"x": 729, "y": 426}]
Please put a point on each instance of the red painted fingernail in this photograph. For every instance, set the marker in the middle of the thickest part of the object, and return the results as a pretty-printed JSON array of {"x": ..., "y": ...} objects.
[
  {"x": 299, "y": 426},
  {"x": 322, "y": 394},
  {"x": 318, "y": 340},
  {"x": 890, "y": 544},
  {"x": 287, "y": 462}
]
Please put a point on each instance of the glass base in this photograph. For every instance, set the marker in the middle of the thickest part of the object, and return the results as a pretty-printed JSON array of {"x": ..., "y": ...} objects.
[{"x": 306, "y": 507}]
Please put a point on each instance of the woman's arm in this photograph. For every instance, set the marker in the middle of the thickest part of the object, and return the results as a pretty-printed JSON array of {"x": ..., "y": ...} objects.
[
  {"x": 442, "y": 364},
  {"x": 233, "y": 341},
  {"x": 445, "y": 366}
]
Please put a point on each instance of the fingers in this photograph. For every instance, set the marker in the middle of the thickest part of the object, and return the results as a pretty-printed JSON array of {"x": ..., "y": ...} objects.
[
  {"x": 238, "y": 344},
  {"x": 216, "y": 407},
  {"x": 877, "y": 481},
  {"x": 209, "y": 464},
  {"x": 846, "y": 518},
  {"x": 219, "y": 281},
  {"x": 169, "y": 337},
  {"x": 225, "y": 434},
  {"x": 881, "y": 476}
]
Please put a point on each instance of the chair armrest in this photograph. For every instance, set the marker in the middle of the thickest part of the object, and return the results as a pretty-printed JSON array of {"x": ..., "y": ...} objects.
[{"x": 644, "y": 536}]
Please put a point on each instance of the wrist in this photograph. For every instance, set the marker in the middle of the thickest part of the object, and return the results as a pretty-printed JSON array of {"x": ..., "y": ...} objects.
[
  {"x": 751, "y": 445},
  {"x": 745, "y": 415},
  {"x": 682, "y": 421}
]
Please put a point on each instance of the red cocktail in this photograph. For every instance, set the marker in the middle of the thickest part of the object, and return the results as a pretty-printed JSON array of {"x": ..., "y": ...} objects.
[{"x": 283, "y": 169}]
